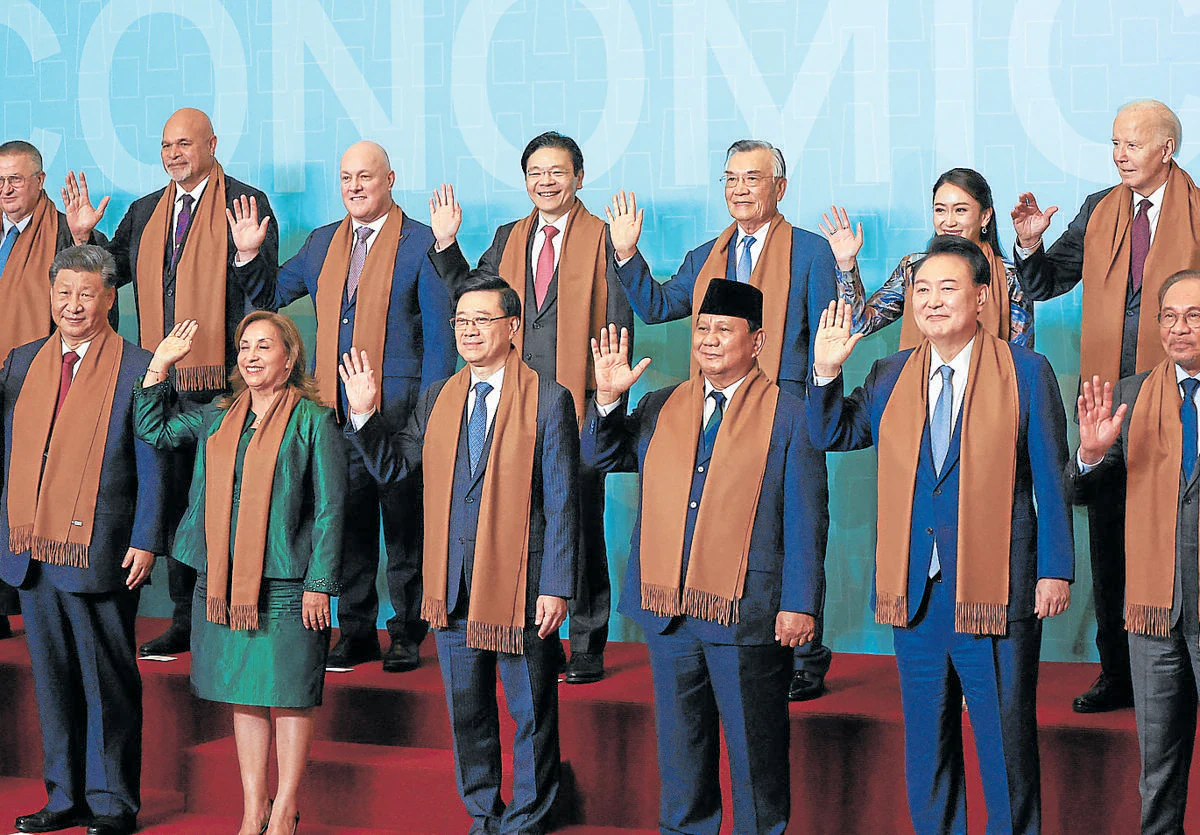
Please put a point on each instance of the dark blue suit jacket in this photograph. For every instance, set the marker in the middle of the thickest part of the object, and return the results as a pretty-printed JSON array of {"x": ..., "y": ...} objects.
[
  {"x": 785, "y": 571},
  {"x": 418, "y": 347},
  {"x": 1042, "y": 543},
  {"x": 393, "y": 455},
  {"x": 130, "y": 507},
  {"x": 812, "y": 289}
]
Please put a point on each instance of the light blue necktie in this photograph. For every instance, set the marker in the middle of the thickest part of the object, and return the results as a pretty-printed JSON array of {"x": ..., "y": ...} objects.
[
  {"x": 939, "y": 440},
  {"x": 1187, "y": 414},
  {"x": 743, "y": 264},
  {"x": 477, "y": 425},
  {"x": 714, "y": 421},
  {"x": 6, "y": 247}
]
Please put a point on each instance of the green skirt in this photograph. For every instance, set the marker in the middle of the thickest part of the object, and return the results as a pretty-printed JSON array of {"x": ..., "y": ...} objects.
[{"x": 280, "y": 664}]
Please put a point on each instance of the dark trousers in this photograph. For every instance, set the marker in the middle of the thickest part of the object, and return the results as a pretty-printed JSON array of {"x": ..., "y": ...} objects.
[
  {"x": 1165, "y": 676},
  {"x": 700, "y": 688},
  {"x": 998, "y": 677},
  {"x": 10, "y": 602},
  {"x": 181, "y": 578},
  {"x": 1106, "y": 535},
  {"x": 89, "y": 695},
  {"x": 590, "y": 608},
  {"x": 531, "y": 694},
  {"x": 400, "y": 509}
]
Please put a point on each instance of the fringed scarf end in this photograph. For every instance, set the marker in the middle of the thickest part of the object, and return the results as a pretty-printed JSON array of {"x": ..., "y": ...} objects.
[
  {"x": 1143, "y": 619},
  {"x": 20, "y": 539},
  {"x": 243, "y": 617},
  {"x": 200, "y": 378},
  {"x": 217, "y": 610},
  {"x": 496, "y": 637},
  {"x": 711, "y": 607},
  {"x": 661, "y": 600},
  {"x": 433, "y": 611},
  {"x": 891, "y": 609},
  {"x": 975, "y": 618},
  {"x": 53, "y": 552}
]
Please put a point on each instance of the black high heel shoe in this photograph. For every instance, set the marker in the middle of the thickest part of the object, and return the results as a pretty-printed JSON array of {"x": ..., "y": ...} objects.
[
  {"x": 267, "y": 823},
  {"x": 296, "y": 825}
]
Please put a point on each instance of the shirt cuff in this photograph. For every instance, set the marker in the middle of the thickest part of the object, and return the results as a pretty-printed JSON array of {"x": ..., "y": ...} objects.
[
  {"x": 238, "y": 262},
  {"x": 818, "y": 380},
  {"x": 621, "y": 262},
  {"x": 605, "y": 411},
  {"x": 1084, "y": 469},
  {"x": 1024, "y": 253},
  {"x": 359, "y": 421}
]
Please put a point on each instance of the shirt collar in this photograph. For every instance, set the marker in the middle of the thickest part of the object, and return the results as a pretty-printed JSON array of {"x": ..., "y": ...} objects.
[
  {"x": 1181, "y": 375},
  {"x": 728, "y": 391},
  {"x": 760, "y": 234},
  {"x": 960, "y": 363},
  {"x": 21, "y": 225},
  {"x": 560, "y": 224},
  {"x": 195, "y": 193},
  {"x": 495, "y": 380},
  {"x": 374, "y": 225},
  {"x": 79, "y": 351},
  {"x": 1155, "y": 197}
]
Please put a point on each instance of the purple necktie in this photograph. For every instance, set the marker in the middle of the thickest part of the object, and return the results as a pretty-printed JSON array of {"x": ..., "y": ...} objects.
[
  {"x": 1140, "y": 243},
  {"x": 358, "y": 257},
  {"x": 181, "y": 225}
]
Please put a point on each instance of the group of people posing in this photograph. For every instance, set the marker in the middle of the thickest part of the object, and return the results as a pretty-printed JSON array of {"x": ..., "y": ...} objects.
[{"x": 268, "y": 479}]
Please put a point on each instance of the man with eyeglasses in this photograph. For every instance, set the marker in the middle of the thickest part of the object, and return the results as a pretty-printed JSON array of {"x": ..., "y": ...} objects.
[
  {"x": 179, "y": 247},
  {"x": 373, "y": 286},
  {"x": 1122, "y": 245},
  {"x": 795, "y": 270},
  {"x": 34, "y": 232},
  {"x": 1147, "y": 447},
  {"x": 559, "y": 259}
]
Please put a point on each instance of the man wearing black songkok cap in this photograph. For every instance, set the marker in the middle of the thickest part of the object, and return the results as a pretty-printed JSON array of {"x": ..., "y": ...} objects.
[{"x": 722, "y": 581}]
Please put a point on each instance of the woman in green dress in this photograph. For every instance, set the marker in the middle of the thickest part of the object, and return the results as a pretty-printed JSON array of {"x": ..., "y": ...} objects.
[{"x": 263, "y": 529}]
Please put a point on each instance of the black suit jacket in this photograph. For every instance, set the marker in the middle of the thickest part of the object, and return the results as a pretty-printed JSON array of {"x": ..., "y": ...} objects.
[{"x": 250, "y": 288}]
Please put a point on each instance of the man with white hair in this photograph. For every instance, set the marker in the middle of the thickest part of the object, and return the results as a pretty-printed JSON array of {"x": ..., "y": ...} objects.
[{"x": 1123, "y": 244}]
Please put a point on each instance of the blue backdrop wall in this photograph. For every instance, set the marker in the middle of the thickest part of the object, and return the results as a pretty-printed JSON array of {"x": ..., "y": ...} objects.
[{"x": 869, "y": 101}]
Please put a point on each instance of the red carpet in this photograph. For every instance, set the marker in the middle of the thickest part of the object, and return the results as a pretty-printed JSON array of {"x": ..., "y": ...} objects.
[{"x": 381, "y": 761}]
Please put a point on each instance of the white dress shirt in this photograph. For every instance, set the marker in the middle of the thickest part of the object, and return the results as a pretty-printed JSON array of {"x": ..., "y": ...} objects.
[
  {"x": 80, "y": 351},
  {"x": 374, "y": 225},
  {"x": 539, "y": 238},
  {"x": 491, "y": 402},
  {"x": 178, "y": 207},
  {"x": 1155, "y": 198},
  {"x": 21, "y": 225},
  {"x": 756, "y": 248}
]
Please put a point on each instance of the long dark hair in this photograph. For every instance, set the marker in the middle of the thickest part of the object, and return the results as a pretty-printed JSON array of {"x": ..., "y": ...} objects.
[{"x": 973, "y": 183}]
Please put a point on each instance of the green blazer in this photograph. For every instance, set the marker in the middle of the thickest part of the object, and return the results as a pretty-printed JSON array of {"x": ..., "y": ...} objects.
[{"x": 304, "y": 528}]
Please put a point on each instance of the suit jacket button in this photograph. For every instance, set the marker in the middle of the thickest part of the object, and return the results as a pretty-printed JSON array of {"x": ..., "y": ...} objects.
[
  {"x": 937, "y": 492},
  {"x": 1131, "y": 313},
  {"x": 345, "y": 321},
  {"x": 529, "y": 358},
  {"x": 537, "y": 326},
  {"x": 692, "y": 505},
  {"x": 471, "y": 500},
  {"x": 700, "y": 469},
  {"x": 927, "y": 530}
]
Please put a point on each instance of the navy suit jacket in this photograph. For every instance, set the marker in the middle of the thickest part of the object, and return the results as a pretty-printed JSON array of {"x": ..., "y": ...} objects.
[
  {"x": 813, "y": 287},
  {"x": 418, "y": 346},
  {"x": 1042, "y": 542},
  {"x": 130, "y": 506},
  {"x": 393, "y": 455},
  {"x": 785, "y": 570}
]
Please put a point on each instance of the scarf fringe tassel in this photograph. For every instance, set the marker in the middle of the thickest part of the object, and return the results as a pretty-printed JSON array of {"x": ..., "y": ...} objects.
[
  {"x": 200, "y": 378},
  {"x": 891, "y": 609},
  {"x": 661, "y": 600},
  {"x": 241, "y": 617},
  {"x": 981, "y": 618},
  {"x": 433, "y": 611},
  {"x": 711, "y": 607},
  {"x": 1144, "y": 619},
  {"x": 496, "y": 637},
  {"x": 50, "y": 551}
]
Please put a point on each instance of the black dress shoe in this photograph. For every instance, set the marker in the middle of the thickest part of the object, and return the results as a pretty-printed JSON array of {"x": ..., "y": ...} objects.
[
  {"x": 401, "y": 657},
  {"x": 112, "y": 825},
  {"x": 585, "y": 668},
  {"x": 172, "y": 642},
  {"x": 350, "y": 652},
  {"x": 47, "y": 821},
  {"x": 1105, "y": 694},
  {"x": 805, "y": 686}
]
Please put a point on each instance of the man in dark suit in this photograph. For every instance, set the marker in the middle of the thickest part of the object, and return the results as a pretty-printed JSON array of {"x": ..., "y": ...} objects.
[
  {"x": 180, "y": 251},
  {"x": 559, "y": 259},
  {"x": 795, "y": 270},
  {"x": 404, "y": 319},
  {"x": 34, "y": 231},
  {"x": 720, "y": 617},
  {"x": 78, "y": 539},
  {"x": 498, "y": 447},
  {"x": 970, "y": 431},
  {"x": 1148, "y": 446},
  {"x": 1123, "y": 243}
]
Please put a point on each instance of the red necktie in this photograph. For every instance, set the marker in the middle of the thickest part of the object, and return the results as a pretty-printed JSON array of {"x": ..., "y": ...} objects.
[
  {"x": 545, "y": 266},
  {"x": 1139, "y": 243},
  {"x": 64, "y": 380}
]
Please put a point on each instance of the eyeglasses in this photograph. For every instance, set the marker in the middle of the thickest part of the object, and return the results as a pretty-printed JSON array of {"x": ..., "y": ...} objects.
[
  {"x": 748, "y": 180},
  {"x": 479, "y": 322},
  {"x": 1169, "y": 318},
  {"x": 15, "y": 181},
  {"x": 556, "y": 174}
]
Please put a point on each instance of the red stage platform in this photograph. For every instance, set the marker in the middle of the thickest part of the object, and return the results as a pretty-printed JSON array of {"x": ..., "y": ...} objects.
[{"x": 381, "y": 761}]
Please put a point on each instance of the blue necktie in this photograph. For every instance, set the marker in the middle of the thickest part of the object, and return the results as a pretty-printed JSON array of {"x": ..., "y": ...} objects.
[
  {"x": 1187, "y": 414},
  {"x": 6, "y": 247},
  {"x": 714, "y": 421},
  {"x": 743, "y": 264},
  {"x": 939, "y": 440},
  {"x": 477, "y": 425}
]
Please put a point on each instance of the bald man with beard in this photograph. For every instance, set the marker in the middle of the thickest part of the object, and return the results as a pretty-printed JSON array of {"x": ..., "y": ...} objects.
[
  {"x": 376, "y": 255},
  {"x": 180, "y": 247}
]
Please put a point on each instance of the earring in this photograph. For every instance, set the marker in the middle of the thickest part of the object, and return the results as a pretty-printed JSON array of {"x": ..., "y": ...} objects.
[{"x": 983, "y": 229}]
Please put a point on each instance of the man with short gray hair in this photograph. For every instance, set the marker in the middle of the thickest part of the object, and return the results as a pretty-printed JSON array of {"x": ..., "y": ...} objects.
[
  {"x": 1125, "y": 241},
  {"x": 795, "y": 270}
]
